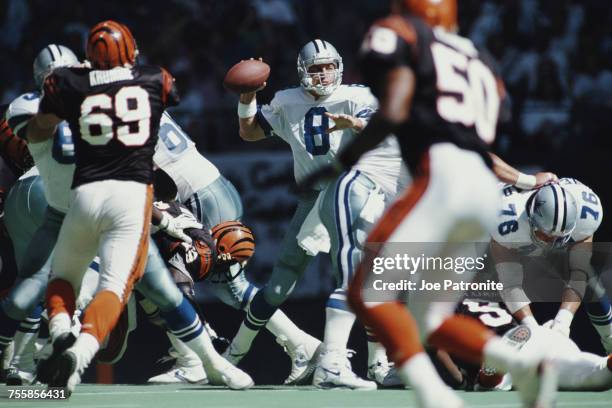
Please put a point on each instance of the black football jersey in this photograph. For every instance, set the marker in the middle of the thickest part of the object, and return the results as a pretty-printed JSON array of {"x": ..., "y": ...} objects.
[
  {"x": 114, "y": 118},
  {"x": 457, "y": 94},
  {"x": 493, "y": 315},
  {"x": 175, "y": 252}
]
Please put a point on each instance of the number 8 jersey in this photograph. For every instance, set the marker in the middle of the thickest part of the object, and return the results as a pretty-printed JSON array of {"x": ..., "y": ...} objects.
[
  {"x": 114, "y": 117},
  {"x": 299, "y": 119},
  {"x": 513, "y": 230}
]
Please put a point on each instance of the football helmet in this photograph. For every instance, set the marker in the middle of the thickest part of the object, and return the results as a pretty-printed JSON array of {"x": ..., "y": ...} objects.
[
  {"x": 51, "y": 57},
  {"x": 436, "y": 13},
  {"x": 552, "y": 212},
  {"x": 317, "y": 52},
  {"x": 235, "y": 239},
  {"x": 110, "y": 44}
]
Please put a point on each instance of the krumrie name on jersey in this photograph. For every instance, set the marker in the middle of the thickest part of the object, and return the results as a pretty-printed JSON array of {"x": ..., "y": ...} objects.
[{"x": 110, "y": 75}]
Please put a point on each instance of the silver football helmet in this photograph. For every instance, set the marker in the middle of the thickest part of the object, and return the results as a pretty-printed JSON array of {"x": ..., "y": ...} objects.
[
  {"x": 318, "y": 52},
  {"x": 51, "y": 57},
  {"x": 552, "y": 213}
]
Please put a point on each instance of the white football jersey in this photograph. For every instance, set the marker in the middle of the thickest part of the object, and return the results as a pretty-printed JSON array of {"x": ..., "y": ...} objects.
[
  {"x": 513, "y": 230},
  {"x": 54, "y": 158},
  {"x": 176, "y": 154},
  {"x": 296, "y": 117}
]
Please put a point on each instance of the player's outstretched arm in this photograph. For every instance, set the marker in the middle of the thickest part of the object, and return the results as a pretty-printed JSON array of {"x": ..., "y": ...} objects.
[
  {"x": 510, "y": 175},
  {"x": 41, "y": 127}
]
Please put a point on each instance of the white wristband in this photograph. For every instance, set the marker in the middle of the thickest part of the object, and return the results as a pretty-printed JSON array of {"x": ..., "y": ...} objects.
[
  {"x": 525, "y": 181},
  {"x": 247, "y": 110}
]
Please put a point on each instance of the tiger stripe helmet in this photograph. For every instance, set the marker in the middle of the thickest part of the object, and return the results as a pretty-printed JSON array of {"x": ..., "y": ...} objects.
[
  {"x": 234, "y": 238},
  {"x": 110, "y": 44}
]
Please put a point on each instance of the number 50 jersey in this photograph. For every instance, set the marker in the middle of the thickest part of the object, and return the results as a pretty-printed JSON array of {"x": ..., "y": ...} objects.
[
  {"x": 457, "y": 95},
  {"x": 114, "y": 118},
  {"x": 513, "y": 230}
]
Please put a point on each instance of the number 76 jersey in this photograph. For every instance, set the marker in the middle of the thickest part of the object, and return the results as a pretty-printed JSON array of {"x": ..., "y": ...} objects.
[
  {"x": 513, "y": 231},
  {"x": 114, "y": 118}
]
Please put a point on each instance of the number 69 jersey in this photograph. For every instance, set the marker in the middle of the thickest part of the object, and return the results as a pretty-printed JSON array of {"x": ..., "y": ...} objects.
[
  {"x": 513, "y": 230},
  {"x": 299, "y": 119},
  {"x": 113, "y": 116}
]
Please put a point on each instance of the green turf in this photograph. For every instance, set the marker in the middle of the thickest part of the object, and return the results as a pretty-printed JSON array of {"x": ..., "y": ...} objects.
[{"x": 181, "y": 396}]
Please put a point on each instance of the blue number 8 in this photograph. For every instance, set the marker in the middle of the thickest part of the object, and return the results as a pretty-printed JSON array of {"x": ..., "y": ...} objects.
[
  {"x": 310, "y": 130},
  {"x": 507, "y": 227},
  {"x": 174, "y": 138},
  {"x": 63, "y": 145}
]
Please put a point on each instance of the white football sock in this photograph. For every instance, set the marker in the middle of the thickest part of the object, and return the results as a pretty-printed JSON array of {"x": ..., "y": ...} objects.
[
  {"x": 338, "y": 325},
  {"x": 280, "y": 325},
  {"x": 59, "y": 324},
  {"x": 203, "y": 347},
  {"x": 185, "y": 356},
  {"x": 85, "y": 348},
  {"x": 25, "y": 346},
  {"x": 241, "y": 343},
  {"x": 420, "y": 373}
]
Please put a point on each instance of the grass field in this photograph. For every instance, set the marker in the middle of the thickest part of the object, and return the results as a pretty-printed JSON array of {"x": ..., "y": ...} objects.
[{"x": 181, "y": 396}]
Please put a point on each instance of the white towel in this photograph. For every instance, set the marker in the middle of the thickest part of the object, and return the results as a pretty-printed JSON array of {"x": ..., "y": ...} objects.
[{"x": 313, "y": 236}]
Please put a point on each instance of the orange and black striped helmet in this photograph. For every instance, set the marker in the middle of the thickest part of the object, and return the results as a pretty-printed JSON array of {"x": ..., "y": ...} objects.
[
  {"x": 234, "y": 238},
  {"x": 110, "y": 44}
]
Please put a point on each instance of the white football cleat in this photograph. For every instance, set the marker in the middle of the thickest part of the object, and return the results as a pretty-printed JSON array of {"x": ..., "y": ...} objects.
[
  {"x": 384, "y": 374},
  {"x": 222, "y": 372},
  {"x": 15, "y": 376},
  {"x": 334, "y": 371},
  {"x": 304, "y": 358},
  {"x": 181, "y": 374}
]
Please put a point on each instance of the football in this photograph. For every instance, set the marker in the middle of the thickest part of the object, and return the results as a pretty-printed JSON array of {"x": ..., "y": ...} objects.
[{"x": 246, "y": 76}]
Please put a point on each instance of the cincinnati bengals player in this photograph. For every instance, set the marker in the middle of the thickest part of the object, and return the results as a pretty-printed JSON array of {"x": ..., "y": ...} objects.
[
  {"x": 441, "y": 97},
  {"x": 113, "y": 110}
]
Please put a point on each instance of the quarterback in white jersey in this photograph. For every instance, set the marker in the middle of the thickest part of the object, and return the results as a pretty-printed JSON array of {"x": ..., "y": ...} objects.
[
  {"x": 306, "y": 123},
  {"x": 318, "y": 119},
  {"x": 537, "y": 223}
]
